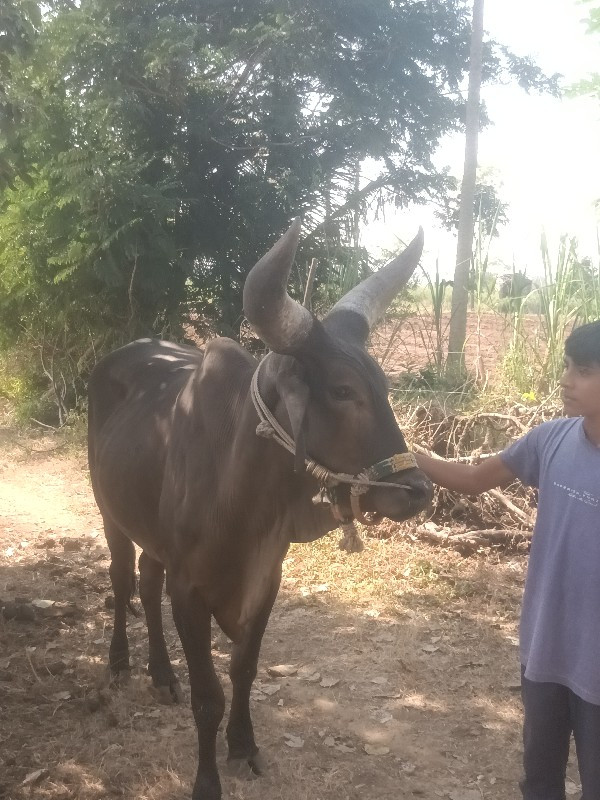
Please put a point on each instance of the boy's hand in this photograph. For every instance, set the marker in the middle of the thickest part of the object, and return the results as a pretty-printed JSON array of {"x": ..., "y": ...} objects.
[{"x": 466, "y": 478}]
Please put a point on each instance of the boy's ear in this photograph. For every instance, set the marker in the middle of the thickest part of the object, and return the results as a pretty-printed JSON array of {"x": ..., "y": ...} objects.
[{"x": 294, "y": 393}]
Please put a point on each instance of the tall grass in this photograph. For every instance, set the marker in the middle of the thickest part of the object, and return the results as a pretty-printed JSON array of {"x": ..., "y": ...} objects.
[
  {"x": 569, "y": 296},
  {"x": 483, "y": 285},
  {"x": 519, "y": 370},
  {"x": 437, "y": 294},
  {"x": 539, "y": 318},
  {"x": 589, "y": 280},
  {"x": 560, "y": 303}
]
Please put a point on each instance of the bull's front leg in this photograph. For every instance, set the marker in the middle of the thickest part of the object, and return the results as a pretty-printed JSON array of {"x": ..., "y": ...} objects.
[
  {"x": 192, "y": 619},
  {"x": 243, "y": 754}
]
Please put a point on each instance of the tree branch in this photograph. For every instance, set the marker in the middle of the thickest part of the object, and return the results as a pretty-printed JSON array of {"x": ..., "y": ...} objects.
[{"x": 354, "y": 199}]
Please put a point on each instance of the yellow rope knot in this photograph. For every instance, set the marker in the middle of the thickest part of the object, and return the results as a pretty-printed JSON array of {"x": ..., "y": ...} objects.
[{"x": 350, "y": 541}]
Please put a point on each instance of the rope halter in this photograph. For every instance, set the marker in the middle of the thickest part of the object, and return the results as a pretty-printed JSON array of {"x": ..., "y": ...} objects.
[{"x": 329, "y": 481}]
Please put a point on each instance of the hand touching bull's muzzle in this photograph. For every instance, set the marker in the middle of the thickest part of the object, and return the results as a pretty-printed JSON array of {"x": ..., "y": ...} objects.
[{"x": 394, "y": 488}]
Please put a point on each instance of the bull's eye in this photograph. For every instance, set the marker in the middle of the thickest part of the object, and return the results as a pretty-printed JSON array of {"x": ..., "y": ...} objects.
[{"x": 341, "y": 392}]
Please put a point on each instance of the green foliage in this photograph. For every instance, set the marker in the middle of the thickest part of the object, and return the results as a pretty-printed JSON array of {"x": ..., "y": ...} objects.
[
  {"x": 588, "y": 277},
  {"x": 25, "y": 389},
  {"x": 520, "y": 371},
  {"x": 437, "y": 294},
  {"x": 514, "y": 291},
  {"x": 569, "y": 296},
  {"x": 154, "y": 151},
  {"x": 591, "y": 85},
  {"x": 20, "y": 21},
  {"x": 488, "y": 208},
  {"x": 345, "y": 268},
  {"x": 501, "y": 63},
  {"x": 559, "y": 302}
]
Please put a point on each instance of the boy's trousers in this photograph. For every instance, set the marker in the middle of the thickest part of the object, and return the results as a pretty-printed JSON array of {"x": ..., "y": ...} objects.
[{"x": 552, "y": 713}]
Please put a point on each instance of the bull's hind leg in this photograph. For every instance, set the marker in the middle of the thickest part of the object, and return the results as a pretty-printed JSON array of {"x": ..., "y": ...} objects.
[
  {"x": 243, "y": 751},
  {"x": 152, "y": 574},
  {"x": 192, "y": 619},
  {"x": 122, "y": 577}
]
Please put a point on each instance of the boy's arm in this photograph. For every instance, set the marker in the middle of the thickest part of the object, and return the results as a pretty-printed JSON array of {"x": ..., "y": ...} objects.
[{"x": 466, "y": 478}]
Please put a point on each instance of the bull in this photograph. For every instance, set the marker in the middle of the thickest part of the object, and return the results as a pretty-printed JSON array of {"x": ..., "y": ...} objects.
[{"x": 213, "y": 464}]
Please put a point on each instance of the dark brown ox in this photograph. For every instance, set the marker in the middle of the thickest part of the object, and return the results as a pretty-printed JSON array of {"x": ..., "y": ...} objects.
[{"x": 178, "y": 468}]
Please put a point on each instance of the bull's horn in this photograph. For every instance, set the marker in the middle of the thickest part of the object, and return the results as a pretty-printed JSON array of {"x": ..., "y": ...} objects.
[
  {"x": 282, "y": 323},
  {"x": 371, "y": 298}
]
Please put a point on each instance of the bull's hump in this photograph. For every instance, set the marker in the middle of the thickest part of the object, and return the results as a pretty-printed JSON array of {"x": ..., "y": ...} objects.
[
  {"x": 144, "y": 352},
  {"x": 224, "y": 358},
  {"x": 217, "y": 389}
]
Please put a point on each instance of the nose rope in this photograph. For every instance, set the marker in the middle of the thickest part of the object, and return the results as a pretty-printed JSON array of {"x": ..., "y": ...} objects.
[{"x": 269, "y": 428}]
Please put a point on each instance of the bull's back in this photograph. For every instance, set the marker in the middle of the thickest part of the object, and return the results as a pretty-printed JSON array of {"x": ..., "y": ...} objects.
[{"x": 132, "y": 393}]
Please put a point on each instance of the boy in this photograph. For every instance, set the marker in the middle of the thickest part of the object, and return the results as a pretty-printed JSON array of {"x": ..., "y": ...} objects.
[{"x": 560, "y": 619}]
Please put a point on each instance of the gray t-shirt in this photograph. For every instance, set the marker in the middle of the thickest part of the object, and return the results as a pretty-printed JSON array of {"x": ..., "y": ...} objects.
[{"x": 560, "y": 618}]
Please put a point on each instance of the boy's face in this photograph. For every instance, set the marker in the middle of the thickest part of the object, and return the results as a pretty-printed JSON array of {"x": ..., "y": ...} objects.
[{"x": 580, "y": 385}]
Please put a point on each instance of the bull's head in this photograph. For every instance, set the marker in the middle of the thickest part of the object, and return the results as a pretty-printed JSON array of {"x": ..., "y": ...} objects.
[{"x": 324, "y": 388}]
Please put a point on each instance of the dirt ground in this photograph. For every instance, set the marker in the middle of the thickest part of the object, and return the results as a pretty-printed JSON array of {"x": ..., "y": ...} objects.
[
  {"x": 407, "y": 681},
  {"x": 410, "y": 344}
]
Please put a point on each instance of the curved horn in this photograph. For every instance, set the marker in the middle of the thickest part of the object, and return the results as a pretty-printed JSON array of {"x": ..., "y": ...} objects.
[
  {"x": 282, "y": 323},
  {"x": 371, "y": 298}
]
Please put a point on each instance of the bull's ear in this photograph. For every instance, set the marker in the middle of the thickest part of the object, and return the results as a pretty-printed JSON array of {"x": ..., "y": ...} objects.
[{"x": 294, "y": 393}]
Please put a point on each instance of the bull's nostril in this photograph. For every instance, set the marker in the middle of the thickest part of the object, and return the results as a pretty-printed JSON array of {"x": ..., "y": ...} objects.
[{"x": 422, "y": 492}]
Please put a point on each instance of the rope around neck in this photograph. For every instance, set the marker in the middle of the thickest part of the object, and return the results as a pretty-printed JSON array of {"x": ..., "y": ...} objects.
[{"x": 269, "y": 428}]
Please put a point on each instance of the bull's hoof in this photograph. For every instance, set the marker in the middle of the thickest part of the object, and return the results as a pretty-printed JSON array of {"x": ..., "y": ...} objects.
[
  {"x": 168, "y": 695},
  {"x": 258, "y": 763},
  {"x": 207, "y": 788},
  {"x": 247, "y": 768},
  {"x": 351, "y": 543},
  {"x": 240, "y": 768}
]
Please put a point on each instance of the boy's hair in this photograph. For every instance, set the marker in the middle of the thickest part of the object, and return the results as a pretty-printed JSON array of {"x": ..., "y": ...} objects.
[{"x": 583, "y": 344}]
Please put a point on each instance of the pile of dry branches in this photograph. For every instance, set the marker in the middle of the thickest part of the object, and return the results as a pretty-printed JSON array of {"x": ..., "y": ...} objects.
[{"x": 501, "y": 518}]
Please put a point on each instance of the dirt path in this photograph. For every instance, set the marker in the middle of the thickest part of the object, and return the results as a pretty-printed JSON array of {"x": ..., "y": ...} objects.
[{"x": 407, "y": 682}]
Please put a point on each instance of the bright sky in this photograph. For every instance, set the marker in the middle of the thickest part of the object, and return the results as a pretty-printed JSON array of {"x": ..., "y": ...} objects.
[{"x": 544, "y": 152}]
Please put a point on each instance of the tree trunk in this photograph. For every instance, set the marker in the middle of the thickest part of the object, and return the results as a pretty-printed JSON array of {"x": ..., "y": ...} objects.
[{"x": 466, "y": 220}]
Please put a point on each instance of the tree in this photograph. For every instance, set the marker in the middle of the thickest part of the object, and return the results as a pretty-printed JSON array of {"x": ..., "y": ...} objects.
[
  {"x": 528, "y": 77},
  {"x": 166, "y": 144},
  {"x": 20, "y": 21},
  {"x": 466, "y": 220},
  {"x": 592, "y": 84},
  {"x": 488, "y": 208}
]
